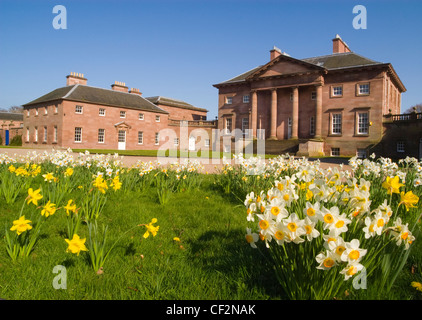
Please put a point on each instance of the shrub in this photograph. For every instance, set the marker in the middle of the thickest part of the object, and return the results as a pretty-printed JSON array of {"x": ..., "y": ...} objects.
[{"x": 16, "y": 141}]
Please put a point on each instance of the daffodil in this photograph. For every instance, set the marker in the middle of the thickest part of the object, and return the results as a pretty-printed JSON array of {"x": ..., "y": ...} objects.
[
  {"x": 251, "y": 238},
  {"x": 69, "y": 207},
  {"x": 417, "y": 285},
  {"x": 21, "y": 225},
  {"x": 100, "y": 184},
  {"x": 408, "y": 199},
  {"x": 76, "y": 245},
  {"x": 34, "y": 196},
  {"x": 351, "y": 270},
  {"x": 353, "y": 253},
  {"x": 68, "y": 172},
  {"x": 48, "y": 209},
  {"x": 151, "y": 228},
  {"x": 326, "y": 261},
  {"x": 116, "y": 184},
  {"x": 48, "y": 177},
  {"x": 392, "y": 185}
]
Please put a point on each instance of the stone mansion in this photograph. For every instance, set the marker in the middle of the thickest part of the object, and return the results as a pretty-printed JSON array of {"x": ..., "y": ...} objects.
[
  {"x": 340, "y": 104},
  {"x": 331, "y": 105}
]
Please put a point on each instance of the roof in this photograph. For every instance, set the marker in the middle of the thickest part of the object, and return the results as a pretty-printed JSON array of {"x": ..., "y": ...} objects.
[
  {"x": 11, "y": 116},
  {"x": 341, "y": 60},
  {"x": 330, "y": 62},
  {"x": 174, "y": 103},
  {"x": 108, "y": 97}
]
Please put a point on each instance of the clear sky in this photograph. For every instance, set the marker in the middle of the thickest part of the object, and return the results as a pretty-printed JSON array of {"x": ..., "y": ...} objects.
[{"x": 180, "y": 48}]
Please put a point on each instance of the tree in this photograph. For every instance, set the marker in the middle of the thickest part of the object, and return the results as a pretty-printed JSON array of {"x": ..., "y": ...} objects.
[
  {"x": 416, "y": 108},
  {"x": 13, "y": 109}
]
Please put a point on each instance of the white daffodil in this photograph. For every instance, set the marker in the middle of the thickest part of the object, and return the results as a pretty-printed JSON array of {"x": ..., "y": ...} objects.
[
  {"x": 340, "y": 224},
  {"x": 351, "y": 270},
  {"x": 277, "y": 209},
  {"x": 294, "y": 228},
  {"x": 326, "y": 260},
  {"x": 369, "y": 228},
  {"x": 353, "y": 253},
  {"x": 329, "y": 216},
  {"x": 338, "y": 246},
  {"x": 310, "y": 231},
  {"x": 312, "y": 211},
  {"x": 280, "y": 233},
  {"x": 251, "y": 238}
]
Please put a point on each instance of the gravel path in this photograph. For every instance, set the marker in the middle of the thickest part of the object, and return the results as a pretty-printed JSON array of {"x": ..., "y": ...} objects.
[{"x": 210, "y": 165}]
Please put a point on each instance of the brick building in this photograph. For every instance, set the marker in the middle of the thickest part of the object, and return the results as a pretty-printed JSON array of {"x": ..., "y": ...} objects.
[
  {"x": 327, "y": 105},
  {"x": 85, "y": 117},
  {"x": 10, "y": 125}
]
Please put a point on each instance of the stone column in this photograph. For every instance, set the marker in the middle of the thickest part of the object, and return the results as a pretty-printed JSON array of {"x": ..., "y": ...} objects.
[
  {"x": 273, "y": 114},
  {"x": 295, "y": 113},
  {"x": 318, "y": 118},
  {"x": 254, "y": 113}
]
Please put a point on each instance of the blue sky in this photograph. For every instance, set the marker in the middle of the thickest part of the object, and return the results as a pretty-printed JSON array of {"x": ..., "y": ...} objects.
[{"x": 180, "y": 48}]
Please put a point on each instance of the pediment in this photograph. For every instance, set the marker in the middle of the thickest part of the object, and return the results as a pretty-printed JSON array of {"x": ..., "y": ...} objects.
[
  {"x": 122, "y": 125},
  {"x": 284, "y": 65}
]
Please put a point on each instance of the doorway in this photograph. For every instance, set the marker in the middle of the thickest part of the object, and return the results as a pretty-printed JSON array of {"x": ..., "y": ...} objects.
[{"x": 121, "y": 145}]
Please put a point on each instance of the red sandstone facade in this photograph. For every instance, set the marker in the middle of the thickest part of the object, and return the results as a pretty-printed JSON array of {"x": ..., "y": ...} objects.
[
  {"x": 332, "y": 105},
  {"x": 82, "y": 117}
]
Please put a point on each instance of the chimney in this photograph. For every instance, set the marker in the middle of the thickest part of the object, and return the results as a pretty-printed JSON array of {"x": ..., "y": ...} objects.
[
  {"x": 135, "y": 91},
  {"x": 75, "y": 78},
  {"x": 119, "y": 86},
  {"x": 339, "y": 46},
  {"x": 274, "y": 53}
]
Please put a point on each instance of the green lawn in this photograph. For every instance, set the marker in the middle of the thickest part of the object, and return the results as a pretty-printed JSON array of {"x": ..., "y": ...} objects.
[{"x": 211, "y": 261}]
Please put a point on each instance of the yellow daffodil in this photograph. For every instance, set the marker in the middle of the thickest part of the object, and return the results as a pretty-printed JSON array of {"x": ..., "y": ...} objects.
[
  {"x": 69, "y": 207},
  {"x": 12, "y": 168},
  {"x": 21, "y": 225},
  {"x": 48, "y": 177},
  {"x": 408, "y": 199},
  {"x": 392, "y": 185},
  {"x": 100, "y": 184},
  {"x": 49, "y": 209},
  {"x": 116, "y": 184},
  {"x": 151, "y": 229},
  {"x": 417, "y": 285},
  {"x": 68, "y": 172},
  {"x": 76, "y": 245},
  {"x": 34, "y": 196}
]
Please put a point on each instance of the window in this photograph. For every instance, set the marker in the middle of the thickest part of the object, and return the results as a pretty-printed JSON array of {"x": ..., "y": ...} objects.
[
  {"x": 27, "y": 113},
  {"x": 46, "y": 110},
  {"x": 335, "y": 152},
  {"x": 246, "y": 98},
  {"x": 401, "y": 146},
  {"x": 101, "y": 112},
  {"x": 101, "y": 135},
  {"x": 289, "y": 128},
  {"x": 56, "y": 108},
  {"x": 291, "y": 96},
  {"x": 78, "y": 109},
  {"x": 157, "y": 138},
  {"x": 312, "y": 126},
  {"x": 27, "y": 134},
  {"x": 207, "y": 143},
  {"x": 336, "y": 123},
  {"x": 361, "y": 153},
  {"x": 337, "y": 91},
  {"x": 55, "y": 134},
  {"x": 229, "y": 100},
  {"x": 245, "y": 125},
  {"x": 122, "y": 114},
  {"x": 36, "y": 134},
  {"x": 78, "y": 134},
  {"x": 362, "y": 89},
  {"x": 141, "y": 116},
  {"x": 228, "y": 125},
  {"x": 363, "y": 123},
  {"x": 157, "y": 118},
  {"x": 313, "y": 95},
  {"x": 176, "y": 141},
  {"x": 36, "y": 111},
  {"x": 140, "y": 137},
  {"x": 45, "y": 134}
]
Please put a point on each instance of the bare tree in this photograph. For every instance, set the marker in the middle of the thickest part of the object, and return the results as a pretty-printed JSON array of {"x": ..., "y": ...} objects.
[{"x": 416, "y": 108}]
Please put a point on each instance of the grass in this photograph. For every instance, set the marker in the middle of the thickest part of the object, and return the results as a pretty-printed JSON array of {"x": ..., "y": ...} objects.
[{"x": 211, "y": 261}]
